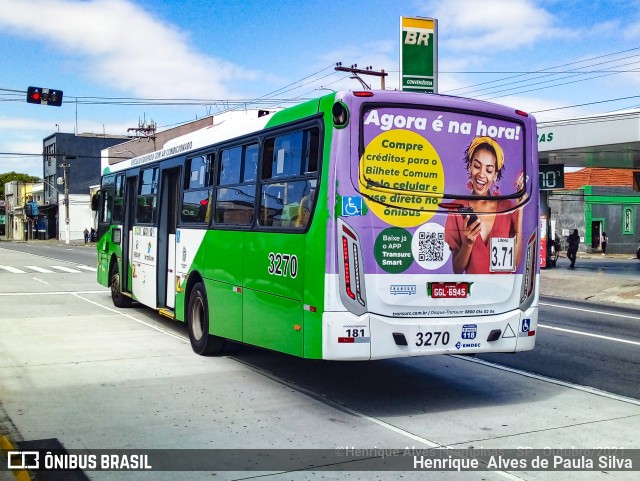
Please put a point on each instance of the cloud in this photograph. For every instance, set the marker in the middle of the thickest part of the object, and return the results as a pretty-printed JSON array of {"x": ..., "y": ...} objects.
[
  {"x": 21, "y": 142},
  {"x": 496, "y": 25},
  {"x": 24, "y": 124},
  {"x": 22, "y": 136},
  {"x": 126, "y": 47}
]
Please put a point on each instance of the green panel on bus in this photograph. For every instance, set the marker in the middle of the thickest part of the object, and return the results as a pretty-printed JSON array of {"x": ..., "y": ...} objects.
[
  {"x": 296, "y": 112},
  {"x": 275, "y": 322},
  {"x": 225, "y": 310},
  {"x": 221, "y": 259}
]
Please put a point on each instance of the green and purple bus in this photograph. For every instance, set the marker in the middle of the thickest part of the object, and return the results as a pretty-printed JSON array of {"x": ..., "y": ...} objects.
[{"x": 359, "y": 225}]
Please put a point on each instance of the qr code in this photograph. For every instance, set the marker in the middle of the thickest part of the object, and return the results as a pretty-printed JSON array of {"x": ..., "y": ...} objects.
[{"x": 431, "y": 247}]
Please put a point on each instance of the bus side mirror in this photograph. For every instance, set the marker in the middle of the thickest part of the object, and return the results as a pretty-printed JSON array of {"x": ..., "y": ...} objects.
[{"x": 95, "y": 202}]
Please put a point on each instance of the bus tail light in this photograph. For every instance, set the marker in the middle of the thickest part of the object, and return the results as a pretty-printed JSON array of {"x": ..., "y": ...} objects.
[
  {"x": 347, "y": 270},
  {"x": 528, "y": 278},
  {"x": 351, "y": 275}
]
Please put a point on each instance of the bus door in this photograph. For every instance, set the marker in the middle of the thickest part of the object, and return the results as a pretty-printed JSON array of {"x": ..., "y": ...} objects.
[
  {"x": 167, "y": 238},
  {"x": 127, "y": 225},
  {"x": 273, "y": 309}
]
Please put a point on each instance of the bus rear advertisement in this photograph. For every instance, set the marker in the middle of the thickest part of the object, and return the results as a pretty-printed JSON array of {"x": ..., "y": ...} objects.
[{"x": 360, "y": 225}]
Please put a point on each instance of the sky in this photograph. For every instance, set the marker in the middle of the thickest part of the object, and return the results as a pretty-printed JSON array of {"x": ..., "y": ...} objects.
[{"x": 122, "y": 63}]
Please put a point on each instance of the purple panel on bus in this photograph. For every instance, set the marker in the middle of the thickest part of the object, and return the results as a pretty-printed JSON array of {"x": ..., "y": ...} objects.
[{"x": 437, "y": 184}]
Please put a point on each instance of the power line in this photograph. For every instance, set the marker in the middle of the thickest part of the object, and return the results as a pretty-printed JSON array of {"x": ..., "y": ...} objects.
[
  {"x": 586, "y": 104},
  {"x": 574, "y": 74},
  {"x": 548, "y": 68},
  {"x": 548, "y": 81}
]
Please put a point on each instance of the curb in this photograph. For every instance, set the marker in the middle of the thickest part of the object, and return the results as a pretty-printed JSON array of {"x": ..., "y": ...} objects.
[{"x": 5, "y": 447}]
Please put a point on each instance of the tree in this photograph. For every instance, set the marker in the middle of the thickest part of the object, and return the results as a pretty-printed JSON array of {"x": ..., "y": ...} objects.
[{"x": 11, "y": 176}]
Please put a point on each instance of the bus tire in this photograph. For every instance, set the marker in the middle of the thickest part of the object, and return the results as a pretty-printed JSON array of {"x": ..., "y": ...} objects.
[
  {"x": 202, "y": 342},
  {"x": 118, "y": 298}
]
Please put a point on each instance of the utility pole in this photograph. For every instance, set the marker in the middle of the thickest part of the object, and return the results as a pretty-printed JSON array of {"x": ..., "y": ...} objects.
[
  {"x": 65, "y": 181},
  {"x": 366, "y": 71}
]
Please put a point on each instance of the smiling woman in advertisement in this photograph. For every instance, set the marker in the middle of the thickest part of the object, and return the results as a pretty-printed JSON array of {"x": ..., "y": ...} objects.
[{"x": 476, "y": 233}]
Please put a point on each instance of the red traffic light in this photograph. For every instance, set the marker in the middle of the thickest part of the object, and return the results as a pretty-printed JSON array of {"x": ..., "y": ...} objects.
[
  {"x": 33, "y": 95},
  {"x": 38, "y": 95}
]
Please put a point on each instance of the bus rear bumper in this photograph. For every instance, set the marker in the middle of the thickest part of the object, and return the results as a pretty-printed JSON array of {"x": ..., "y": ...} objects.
[{"x": 371, "y": 336}]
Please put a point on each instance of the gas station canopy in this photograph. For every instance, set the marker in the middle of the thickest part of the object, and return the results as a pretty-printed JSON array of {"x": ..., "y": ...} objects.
[{"x": 605, "y": 141}]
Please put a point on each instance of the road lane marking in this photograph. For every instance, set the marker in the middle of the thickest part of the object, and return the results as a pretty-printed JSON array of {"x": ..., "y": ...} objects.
[
  {"x": 341, "y": 407},
  {"x": 376, "y": 421},
  {"x": 40, "y": 269},
  {"x": 53, "y": 293},
  {"x": 13, "y": 270},
  {"x": 40, "y": 280},
  {"x": 587, "y": 389},
  {"x": 65, "y": 269},
  {"x": 336, "y": 405},
  {"x": 184, "y": 339},
  {"x": 581, "y": 333},
  {"x": 591, "y": 311},
  {"x": 86, "y": 268},
  {"x": 140, "y": 321}
]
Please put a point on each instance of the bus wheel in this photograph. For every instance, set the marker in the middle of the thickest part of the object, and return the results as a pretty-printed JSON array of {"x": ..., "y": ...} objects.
[
  {"x": 202, "y": 342},
  {"x": 118, "y": 298}
]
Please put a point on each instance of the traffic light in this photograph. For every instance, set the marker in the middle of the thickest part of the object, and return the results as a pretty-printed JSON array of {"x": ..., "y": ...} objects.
[{"x": 38, "y": 95}]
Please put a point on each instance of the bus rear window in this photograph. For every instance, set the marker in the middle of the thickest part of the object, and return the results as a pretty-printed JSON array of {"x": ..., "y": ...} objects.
[{"x": 417, "y": 158}]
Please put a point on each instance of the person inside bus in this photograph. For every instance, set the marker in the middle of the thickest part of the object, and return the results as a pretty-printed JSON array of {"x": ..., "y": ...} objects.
[{"x": 469, "y": 235}]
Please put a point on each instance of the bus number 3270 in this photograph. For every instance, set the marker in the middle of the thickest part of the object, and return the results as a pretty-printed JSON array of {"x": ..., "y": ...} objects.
[
  {"x": 285, "y": 265},
  {"x": 432, "y": 338}
]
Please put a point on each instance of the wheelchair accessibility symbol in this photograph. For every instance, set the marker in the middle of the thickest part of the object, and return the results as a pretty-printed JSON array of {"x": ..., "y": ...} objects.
[{"x": 351, "y": 205}]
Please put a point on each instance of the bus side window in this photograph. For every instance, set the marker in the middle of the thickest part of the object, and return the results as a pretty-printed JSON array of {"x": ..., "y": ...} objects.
[
  {"x": 195, "y": 197},
  {"x": 147, "y": 196},
  {"x": 118, "y": 200},
  {"x": 289, "y": 179},
  {"x": 295, "y": 192},
  {"x": 236, "y": 189},
  {"x": 106, "y": 208},
  {"x": 304, "y": 210}
]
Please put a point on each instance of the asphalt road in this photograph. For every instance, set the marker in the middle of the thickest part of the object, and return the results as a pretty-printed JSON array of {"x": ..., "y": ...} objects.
[
  {"x": 590, "y": 344},
  {"x": 79, "y": 254},
  {"x": 584, "y": 343},
  {"x": 76, "y": 370}
]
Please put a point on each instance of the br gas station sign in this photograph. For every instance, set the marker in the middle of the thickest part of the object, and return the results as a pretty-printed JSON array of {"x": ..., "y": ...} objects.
[{"x": 419, "y": 54}]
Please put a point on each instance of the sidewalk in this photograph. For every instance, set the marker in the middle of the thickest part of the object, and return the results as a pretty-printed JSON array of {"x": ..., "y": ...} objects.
[
  {"x": 590, "y": 285},
  {"x": 73, "y": 242}
]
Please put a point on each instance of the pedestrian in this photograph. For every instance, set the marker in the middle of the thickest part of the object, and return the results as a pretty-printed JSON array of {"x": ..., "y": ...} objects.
[
  {"x": 572, "y": 250},
  {"x": 603, "y": 242},
  {"x": 86, "y": 235},
  {"x": 93, "y": 235}
]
